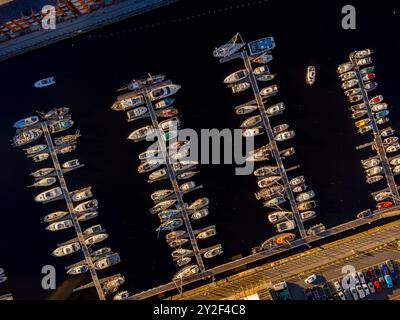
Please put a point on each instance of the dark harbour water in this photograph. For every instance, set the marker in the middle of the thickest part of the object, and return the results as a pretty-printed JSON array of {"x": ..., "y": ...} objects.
[{"x": 90, "y": 68}]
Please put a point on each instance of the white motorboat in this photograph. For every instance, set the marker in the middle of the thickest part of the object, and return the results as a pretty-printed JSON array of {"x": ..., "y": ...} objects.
[
  {"x": 349, "y": 84},
  {"x": 49, "y": 195},
  {"x": 286, "y": 226},
  {"x": 41, "y": 157},
  {"x": 297, "y": 181},
  {"x": 71, "y": 164},
  {"x": 347, "y": 76},
  {"x": 371, "y": 162},
  {"x": 382, "y": 120},
  {"x": 54, "y": 216},
  {"x": 278, "y": 216},
  {"x": 128, "y": 103},
  {"x": 60, "y": 225},
  {"x": 374, "y": 179},
  {"x": 239, "y": 87},
  {"x": 55, "y": 113},
  {"x": 27, "y": 122},
  {"x": 345, "y": 67},
  {"x": 356, "y": 98},
  {"x": 163, "y": 205},
  {"x": 383, "y": 196},
  {"x": 353, "y": 92},
  {"x": 121, "y": 295},
  {"x": 150, "y": 165},
  {"x": 186, "y": 272},
  {"x": 266, "y": 77},
  {"x": 181, "y": 252},
  {"x": 44, "y": 82},
  {"x": 96, "y": 239},
  {"x": 172, "y": 123},
  {"x": 359, "y": 114},
  {"x": 268, "y": 181},
  {"x": 177, "y": 234},
  {"x": 87, "y": 216},
  {"x": 36, "y": 149},
  {"x": 161, "y": 194},
  {"x": 305, "y": 196},
  {"x": 199, "y": 214},
  {"x": 199, "y": 204},
  {"x": 209, "y": 232},
  {"x": 364, "y": 61},
  {"x": 374, "y": 171},
  {"x": 269, "y": 91},
  {"x": 379, "y": 107},
  {"x": 66, "y": 249},
  {"x": 251, "y": 122},
  {"x": 307, "y": 205},
  {"x": 395, "y": 161},
  {"x": 265, "y": 171},
  {"x": 363, "y": 53},
  {"x": 263, "y": 58},
  {"x": 253, "y": 132},
  {"x": 136, "y": 113},
  {"x": 261, "y": 70},
  {"x": 142, "y": 133},
  {"x": 26, "y": 137},
  {"x": 393, "y": 148},
  {"x": 93, "y": 230},
  {"x": 236, "y": 76},
  {"x": 186, "y": 175},
  {"x": 261, "y": 154},
  {"x": 183, "y": 261},
  {"x": 229, "y": 48},
  {"x": 170, "y": 224},
  {"x": 274, "y": 202},
  {"x": 82, "y": 194},
  {"x": 307, "y": 215},
  {"x": 83, "y": 268},
  {"x": 246, "y": 109},
  {"x": 60, "y": 125},
  {"x": 280, "y": 128},
  {"x": 310, "y": 75},
  {"x": 286, "y": 135},
  {"x": 107, "y": 261},
  {"x": 213, "y": 252},
  {"x": 376, "y": 100},
  {"x": 276, "y": 109},
  {"x": 149, "y": 154},
  {"x": 390, "y": 140},
  {"x": 358, "y": 107},
  {"x": 136, "y": 84},
  {"x": 178, "y": 243},
  {"x": 45, "y": 182},
  {"x": 86, "y": 206},
  {"x": 163, "y": 91}
]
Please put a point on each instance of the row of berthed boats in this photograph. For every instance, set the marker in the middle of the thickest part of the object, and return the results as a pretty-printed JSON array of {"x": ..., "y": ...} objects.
[
  {"x": 85, "y": 207},
  {"x": 273, "y": 191},
  {"x": 366, "y": 112},
  {"x": 158, "y": 104}
]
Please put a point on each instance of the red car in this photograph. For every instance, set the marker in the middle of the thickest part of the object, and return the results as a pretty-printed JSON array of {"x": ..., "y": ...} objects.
[
  {"x": 372, "y": 274},
  {"x": 377, "y": 285},
  {"x": 384, "y": 204}
]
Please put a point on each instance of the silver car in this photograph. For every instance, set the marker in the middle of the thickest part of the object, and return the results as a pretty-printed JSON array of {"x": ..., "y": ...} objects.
[{"x": 360, "y": 291}]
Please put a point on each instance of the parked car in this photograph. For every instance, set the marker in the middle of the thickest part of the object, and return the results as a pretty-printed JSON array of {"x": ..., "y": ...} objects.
[
  {"x": 310, "y": 279},
  {"x": 316, "y": 294},
  {"x": 348, "y": 294},
  {"x": 378, "y": 272},
  {"x": 371, "y": 287},
  {"x": 360, "y": 291},
  {"x": 354, "y": 293},
  {"x": 377, "y": 285},
  {"x": 327, "y": 291},
  {"x": 366, "y": 290},
  {"x": 366, "y": 276},
  {"x": 337, "y": 286},
  {"x": 355, "y": 277},
  {"x": 382, "y": 282},
  {"x": 372, "y": 274},
  {"x": 391, "y": 266},
  {"x": 308, "y": 294},
  {"x": 388, "y": 281},
  {"x": 384, "y": 269},
  {"x": 341, "y": 295},
  {"x": 361, "y": 277}
]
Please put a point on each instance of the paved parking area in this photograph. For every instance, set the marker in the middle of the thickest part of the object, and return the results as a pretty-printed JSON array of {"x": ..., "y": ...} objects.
[{"x": 333, "y": 272}]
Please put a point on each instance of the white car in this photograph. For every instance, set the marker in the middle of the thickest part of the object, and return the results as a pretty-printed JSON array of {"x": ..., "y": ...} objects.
[
  {"x": 366, "y": 290},
  {"x": 354, "y": 293},
  {"x": 310, "y": 279},
  {"x": 361, "y": 277},
  {"x": 356, "y": 280},
  {"x": 360, "y": 291},
  {"x": 337, "y": 286},
  {"x": 341, "y": 295}
]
